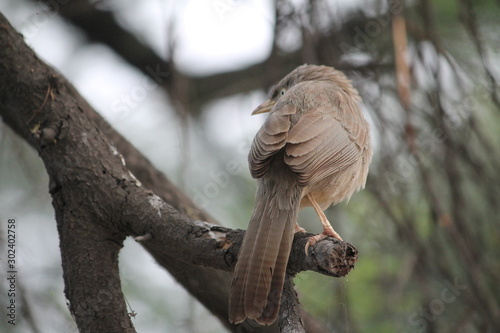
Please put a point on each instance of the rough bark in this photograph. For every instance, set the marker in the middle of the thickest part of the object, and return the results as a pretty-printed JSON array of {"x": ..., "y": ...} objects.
[{"x": 104, "y": 190}]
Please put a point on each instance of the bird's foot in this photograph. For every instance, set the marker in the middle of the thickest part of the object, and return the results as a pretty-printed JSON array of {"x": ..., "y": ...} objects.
[{"x": 326, "y": 233}]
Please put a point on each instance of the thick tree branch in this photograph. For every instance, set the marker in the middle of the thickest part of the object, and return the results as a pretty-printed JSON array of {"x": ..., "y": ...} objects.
[
  {"x": 53, "y": 125},
  {"x": 100, "y": 198}
]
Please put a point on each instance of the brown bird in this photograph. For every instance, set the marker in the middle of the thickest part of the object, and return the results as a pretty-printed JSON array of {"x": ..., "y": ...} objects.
[{"x": 312, "y": 150}]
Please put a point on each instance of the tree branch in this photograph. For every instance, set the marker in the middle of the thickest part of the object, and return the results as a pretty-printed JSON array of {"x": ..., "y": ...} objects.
[
  {"x": 103, "y": 190},
  {"x": 290, "y": 319}
]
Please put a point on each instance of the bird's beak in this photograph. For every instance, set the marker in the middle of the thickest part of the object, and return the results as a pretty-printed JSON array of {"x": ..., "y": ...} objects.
[{"x": 264, "y": 107}]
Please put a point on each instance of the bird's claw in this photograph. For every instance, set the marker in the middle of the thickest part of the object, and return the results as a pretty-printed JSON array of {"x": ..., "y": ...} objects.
[{"x": 316, "y": 238}]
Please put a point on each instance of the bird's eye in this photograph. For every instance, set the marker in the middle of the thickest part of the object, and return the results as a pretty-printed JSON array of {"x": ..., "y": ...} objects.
[{"x": 282, "y": 92}]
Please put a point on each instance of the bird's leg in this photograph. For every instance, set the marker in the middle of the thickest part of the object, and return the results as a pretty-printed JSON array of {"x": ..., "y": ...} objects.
[
  {"x": 327, "y": 227},
  {"x": 298, "y": 228}
]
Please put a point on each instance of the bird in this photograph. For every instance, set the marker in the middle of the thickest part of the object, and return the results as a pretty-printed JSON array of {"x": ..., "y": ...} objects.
[{"x": 313, "y": 149}]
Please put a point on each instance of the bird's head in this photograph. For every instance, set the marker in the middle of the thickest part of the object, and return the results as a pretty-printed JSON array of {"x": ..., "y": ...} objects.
[{"x": 301, "y": 74}]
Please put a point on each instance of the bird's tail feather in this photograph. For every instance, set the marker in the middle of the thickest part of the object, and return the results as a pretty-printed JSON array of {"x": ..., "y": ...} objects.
[{"x": 260, "y": 272}]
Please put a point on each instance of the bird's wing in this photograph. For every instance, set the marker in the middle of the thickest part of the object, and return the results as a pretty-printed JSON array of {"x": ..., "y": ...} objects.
[
  {"x": 271, "y": 137},
  {"x": 324, "y": 141}
]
